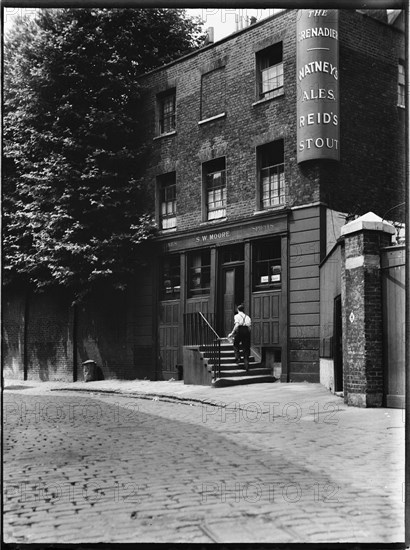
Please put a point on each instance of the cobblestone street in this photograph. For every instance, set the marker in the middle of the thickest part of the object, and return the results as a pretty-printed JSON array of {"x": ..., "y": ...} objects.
[{"x": 119, "y": 468}]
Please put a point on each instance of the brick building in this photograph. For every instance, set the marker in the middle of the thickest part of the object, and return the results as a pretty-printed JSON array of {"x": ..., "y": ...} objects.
[{"x": 260, "y": 146}]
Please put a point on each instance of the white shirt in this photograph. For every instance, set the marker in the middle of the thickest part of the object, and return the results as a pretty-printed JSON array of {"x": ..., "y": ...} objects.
[{"x": 242, "y": 319}]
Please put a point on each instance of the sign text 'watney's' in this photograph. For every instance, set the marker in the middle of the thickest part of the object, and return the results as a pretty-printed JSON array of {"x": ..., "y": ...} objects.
[{"x": 317, "y": 63}]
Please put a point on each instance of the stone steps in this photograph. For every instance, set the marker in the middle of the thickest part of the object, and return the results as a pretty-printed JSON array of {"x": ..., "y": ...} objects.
[{"x": 233, "y": 373}]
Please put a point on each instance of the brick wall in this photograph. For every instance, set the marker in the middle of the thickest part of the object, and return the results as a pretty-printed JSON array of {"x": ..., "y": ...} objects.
[
  {"x": 213, "y": 93},
  {"x": 362, "y": 318},
  {"x": 49, "y": 337},
  {"x": 113, "y": 328}
]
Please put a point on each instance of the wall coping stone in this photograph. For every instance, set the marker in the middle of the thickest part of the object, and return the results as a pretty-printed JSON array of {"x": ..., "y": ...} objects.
[{"x": 368, "y": 222}]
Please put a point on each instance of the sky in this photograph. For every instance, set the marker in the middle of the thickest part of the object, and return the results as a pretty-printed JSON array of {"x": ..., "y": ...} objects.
[{"x": 223, "y": 20}]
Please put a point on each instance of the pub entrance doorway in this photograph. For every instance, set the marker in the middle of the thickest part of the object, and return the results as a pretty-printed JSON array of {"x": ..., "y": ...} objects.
[{"x": 232, "y": 286}]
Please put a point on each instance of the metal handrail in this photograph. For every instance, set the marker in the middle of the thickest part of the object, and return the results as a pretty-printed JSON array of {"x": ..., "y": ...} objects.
[
  {"x": 216, "y": 367},
  {"x": 209, "y": 325}
]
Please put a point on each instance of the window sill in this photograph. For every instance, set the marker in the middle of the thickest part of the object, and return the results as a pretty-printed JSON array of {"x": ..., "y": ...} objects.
[
  {"x": 166, "y": 231},
  {"x": 165, "y": 135},
  {"x": 266, "y": 100},
  {"x": 257, "y": 291},
  {"x": 271, "y": 209},
  {"x": 210, "y": 119},
  {"x": 216, "y": 220}
]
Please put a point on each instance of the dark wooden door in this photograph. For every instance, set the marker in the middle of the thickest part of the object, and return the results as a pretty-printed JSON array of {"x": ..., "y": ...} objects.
[
  {"x": 266, "y": 308},
  {"x": 232, "y": 295}
]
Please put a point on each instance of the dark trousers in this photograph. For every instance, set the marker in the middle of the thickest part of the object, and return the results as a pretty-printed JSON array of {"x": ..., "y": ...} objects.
[{"x": 242, "y": 340}]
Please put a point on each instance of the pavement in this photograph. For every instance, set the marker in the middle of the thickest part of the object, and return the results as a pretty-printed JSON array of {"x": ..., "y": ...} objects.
[
  {"x": 254, "y": 463},
  {"x": 174, "y": 390}
]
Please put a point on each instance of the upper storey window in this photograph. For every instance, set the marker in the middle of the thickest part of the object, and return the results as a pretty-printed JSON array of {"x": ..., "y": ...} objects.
[
  {"x": 213, "y": 93},
  {"x": 166, "y": 112},
  {"x": 214, "y": 174},
  {"x": 401, "y": 85},
  {"x": 272, "y": 174},
  {"x": 167, "y": 200},
  {"x": 269, "y": 63}
]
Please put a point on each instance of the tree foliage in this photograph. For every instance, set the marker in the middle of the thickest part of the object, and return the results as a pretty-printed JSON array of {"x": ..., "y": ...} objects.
[{"x": 75, "y": 210}]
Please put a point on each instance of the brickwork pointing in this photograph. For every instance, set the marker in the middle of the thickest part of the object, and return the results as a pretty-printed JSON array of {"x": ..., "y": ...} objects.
[{"x": 362, "y": 310}]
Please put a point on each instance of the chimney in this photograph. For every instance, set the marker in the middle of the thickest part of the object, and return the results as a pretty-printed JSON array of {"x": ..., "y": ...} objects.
[
  {"x": 244, "y": 21},
  {"x": 380, "y": 14},
  {"x": 209, "y": 39}
]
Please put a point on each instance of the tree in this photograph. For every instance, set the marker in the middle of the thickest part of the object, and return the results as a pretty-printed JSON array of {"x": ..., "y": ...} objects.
[{"x": 75, "y": 210}]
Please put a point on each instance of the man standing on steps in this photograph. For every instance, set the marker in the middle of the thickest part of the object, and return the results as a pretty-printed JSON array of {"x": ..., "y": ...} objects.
[{"x": 242, "y": 336}]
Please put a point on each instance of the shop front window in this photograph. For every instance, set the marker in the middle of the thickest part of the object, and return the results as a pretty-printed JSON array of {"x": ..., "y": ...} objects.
[
  {"x": 199, "y": 273},
  {"x": 233, "y": 253},
  {"x": 267, "y": 265},
  {"x": 171, "y": 278}
]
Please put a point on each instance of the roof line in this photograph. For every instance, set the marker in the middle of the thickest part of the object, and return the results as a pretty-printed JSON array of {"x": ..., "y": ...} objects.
[{"x": 225, "y": 39}]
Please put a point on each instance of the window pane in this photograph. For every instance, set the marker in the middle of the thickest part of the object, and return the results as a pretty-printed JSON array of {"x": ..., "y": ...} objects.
[{"x": 272, "y": 78}]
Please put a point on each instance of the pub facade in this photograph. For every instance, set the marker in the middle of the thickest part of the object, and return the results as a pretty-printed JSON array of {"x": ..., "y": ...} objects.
[{"x": 261, "y": 146}]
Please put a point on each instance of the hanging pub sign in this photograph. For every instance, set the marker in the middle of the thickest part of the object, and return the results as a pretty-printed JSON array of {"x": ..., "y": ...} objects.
[{"x": 317, "y": 66}]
